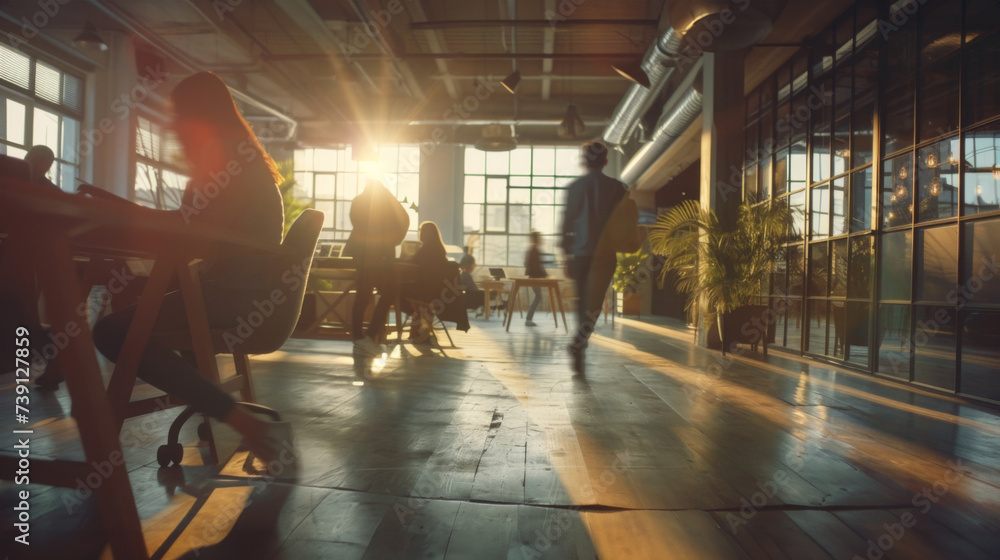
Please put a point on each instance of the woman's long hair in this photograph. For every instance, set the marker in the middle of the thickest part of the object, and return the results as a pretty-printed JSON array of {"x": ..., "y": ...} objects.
[
  {"x": 203, "y": 98},
  {"x": 432, "y": 244}
]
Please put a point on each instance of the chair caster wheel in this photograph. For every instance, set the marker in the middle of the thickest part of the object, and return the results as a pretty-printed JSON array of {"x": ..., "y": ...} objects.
[
  {"x": 169, "y": 453},
  {"x": 203, "y": 431}
]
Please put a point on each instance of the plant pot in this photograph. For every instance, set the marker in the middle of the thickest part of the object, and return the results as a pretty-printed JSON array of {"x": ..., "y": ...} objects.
[
  {"x": 744, "y": 325},
  {"x": 628, "y": 304}
]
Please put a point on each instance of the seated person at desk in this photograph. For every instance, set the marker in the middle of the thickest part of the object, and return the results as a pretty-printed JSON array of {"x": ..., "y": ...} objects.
[
  {"x": 19, "y": 293},
  {"x": 473, "y": 295},
  {"x": 213, "y": 135},
  {"x": 435, "y": 272},
  {"x": 380, "y": 223},
  {"x": 40, "y": 159},
  {"x": 533, "y": 269}
]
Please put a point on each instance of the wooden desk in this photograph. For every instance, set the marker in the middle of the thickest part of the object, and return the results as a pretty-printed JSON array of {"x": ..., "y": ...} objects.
[
  {"x": 57, "y": 224},
  {"x": 331, "y": 324},
  {"x": 552, "y": 284},
  {"x": 488, "y": 287}
]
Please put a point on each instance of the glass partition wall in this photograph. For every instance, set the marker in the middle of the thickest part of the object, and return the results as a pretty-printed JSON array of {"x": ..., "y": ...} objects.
[{"x": 884, "y": 138}]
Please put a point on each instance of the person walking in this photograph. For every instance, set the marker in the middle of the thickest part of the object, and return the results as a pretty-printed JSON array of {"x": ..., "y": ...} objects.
[
  {"x": 533, "y": 269},
  {"x": 590, "y": 263}
]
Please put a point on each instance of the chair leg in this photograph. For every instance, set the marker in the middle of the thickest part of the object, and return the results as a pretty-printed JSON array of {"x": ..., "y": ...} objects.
[
  {"x": 247, "y": 391},
  {"x": 445, "y": 327}
]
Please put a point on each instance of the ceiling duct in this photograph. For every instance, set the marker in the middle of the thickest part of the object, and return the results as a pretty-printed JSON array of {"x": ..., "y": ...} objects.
[
  {"x": 497, "y": 138},
  {"x": 670, "y": 127},
  {"x": 724, "y": 25},
  {"x": 638, "y": 99}
]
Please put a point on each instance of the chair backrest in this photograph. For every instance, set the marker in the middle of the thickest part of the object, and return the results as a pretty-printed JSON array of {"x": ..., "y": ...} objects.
[{"x": 300, "y": 245}]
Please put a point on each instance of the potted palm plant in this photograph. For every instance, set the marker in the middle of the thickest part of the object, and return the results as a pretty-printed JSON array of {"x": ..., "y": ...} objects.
[
  {"x": 625, "y": 282},
  {"x": 723, "y": 266}
]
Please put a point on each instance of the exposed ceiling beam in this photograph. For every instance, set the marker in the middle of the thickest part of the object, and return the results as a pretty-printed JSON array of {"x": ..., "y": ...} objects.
[
  {"x": 334, "y": 49},
  {"x": 549, "y": 47},
  {"x": 382, "y": 39},
  {"x": 466, "y": 56},
  {"x": 437, "y": 44},
  {"x": 466, "y": 23},
  {"x": 181, "y": 58},
  {"x": 531, "y": 77}
]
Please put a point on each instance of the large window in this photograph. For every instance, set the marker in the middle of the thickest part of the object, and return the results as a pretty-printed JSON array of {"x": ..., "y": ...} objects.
[
  {"x": 331, "y": 178},
  {"x": 510, "y": 194},
  {"x": 41, "y": 105},
  {"x": 894, "y": 271},
  {"x": 159, "y": 179}
]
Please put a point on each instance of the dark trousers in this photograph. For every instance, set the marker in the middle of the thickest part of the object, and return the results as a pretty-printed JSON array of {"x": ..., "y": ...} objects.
[
  {"x": 592, "y": 276},
  {"x": 534, "y": 303},
  {"x": 160, "y": 366},
  {"x": 373, "y": 276},
  {"x": 474, "y": 300}
]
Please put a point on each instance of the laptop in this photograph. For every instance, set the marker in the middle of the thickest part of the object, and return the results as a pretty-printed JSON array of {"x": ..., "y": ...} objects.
[{"x": 497, "y": 273}]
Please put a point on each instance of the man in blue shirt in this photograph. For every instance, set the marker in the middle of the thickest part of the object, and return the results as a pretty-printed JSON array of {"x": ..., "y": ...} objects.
[{"x": 591, "y": 200}]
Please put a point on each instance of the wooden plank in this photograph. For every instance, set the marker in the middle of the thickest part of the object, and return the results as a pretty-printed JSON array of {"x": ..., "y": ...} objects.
[
  {"x": 550, "y": 533},
  {"x": 482, "y": 531},
  {"x": 412, "y": 529}
]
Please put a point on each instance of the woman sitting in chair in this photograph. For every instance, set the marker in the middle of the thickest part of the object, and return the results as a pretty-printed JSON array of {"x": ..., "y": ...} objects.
[
  {"x": 233, "y": 188},
  {"x": 435, "y": 284}
]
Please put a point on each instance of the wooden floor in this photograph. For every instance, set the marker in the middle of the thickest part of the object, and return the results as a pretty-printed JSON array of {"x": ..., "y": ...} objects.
[{"x": 493, "y": 451}]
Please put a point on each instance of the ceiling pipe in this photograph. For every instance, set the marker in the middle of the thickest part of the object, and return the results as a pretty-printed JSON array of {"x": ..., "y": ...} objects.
[
  {"x": 638, "y": 99},
  {"x": 670, "y": 128},
  {"x": 470, "y": 23},
  {"x": 739, "y": 26}
]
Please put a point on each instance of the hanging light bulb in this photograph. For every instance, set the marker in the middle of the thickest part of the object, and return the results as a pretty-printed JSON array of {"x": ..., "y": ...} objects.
[
  {"x": 892, "y": 215},
  {"x": 893, "y": 199},
  {"x": 900, "y": 191},
  {"x": 952, "y": 159},
  {"x": 911, "y": 209},
  {"x": 935, "y": 186},
  {"x": 902, "y": 173},
  {"x": 932, "y": 161},
  {"x": 979, "y": 189},
  {"x": 996, "y": 172}
]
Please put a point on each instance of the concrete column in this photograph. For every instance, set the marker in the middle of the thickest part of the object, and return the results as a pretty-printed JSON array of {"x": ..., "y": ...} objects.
[
  {"x": 442, "y": 190},
  {"x": 723, "y": 120}
]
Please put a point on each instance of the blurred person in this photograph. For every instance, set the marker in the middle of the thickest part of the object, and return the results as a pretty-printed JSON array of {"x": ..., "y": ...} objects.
[
  {"x": 380, "y": 224},
  {"x": 590, "y": 202},
  {"x": 473, "y": 294},
  {"x": 435, "y": 284},
  {"x": 214, "y": 137},
  {"x": 533, "y": 269}
]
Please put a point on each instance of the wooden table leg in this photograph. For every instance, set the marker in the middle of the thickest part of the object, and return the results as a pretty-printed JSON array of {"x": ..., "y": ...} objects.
[
  {"x": 561, "y": 310},
  {"x": 514, "y": 292},
  {"x": 126, "y": 368},
  {"x": 91, "y": 406},
  {"x": 552, "y": 303},
  {"x": 487, "y": 302}
]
